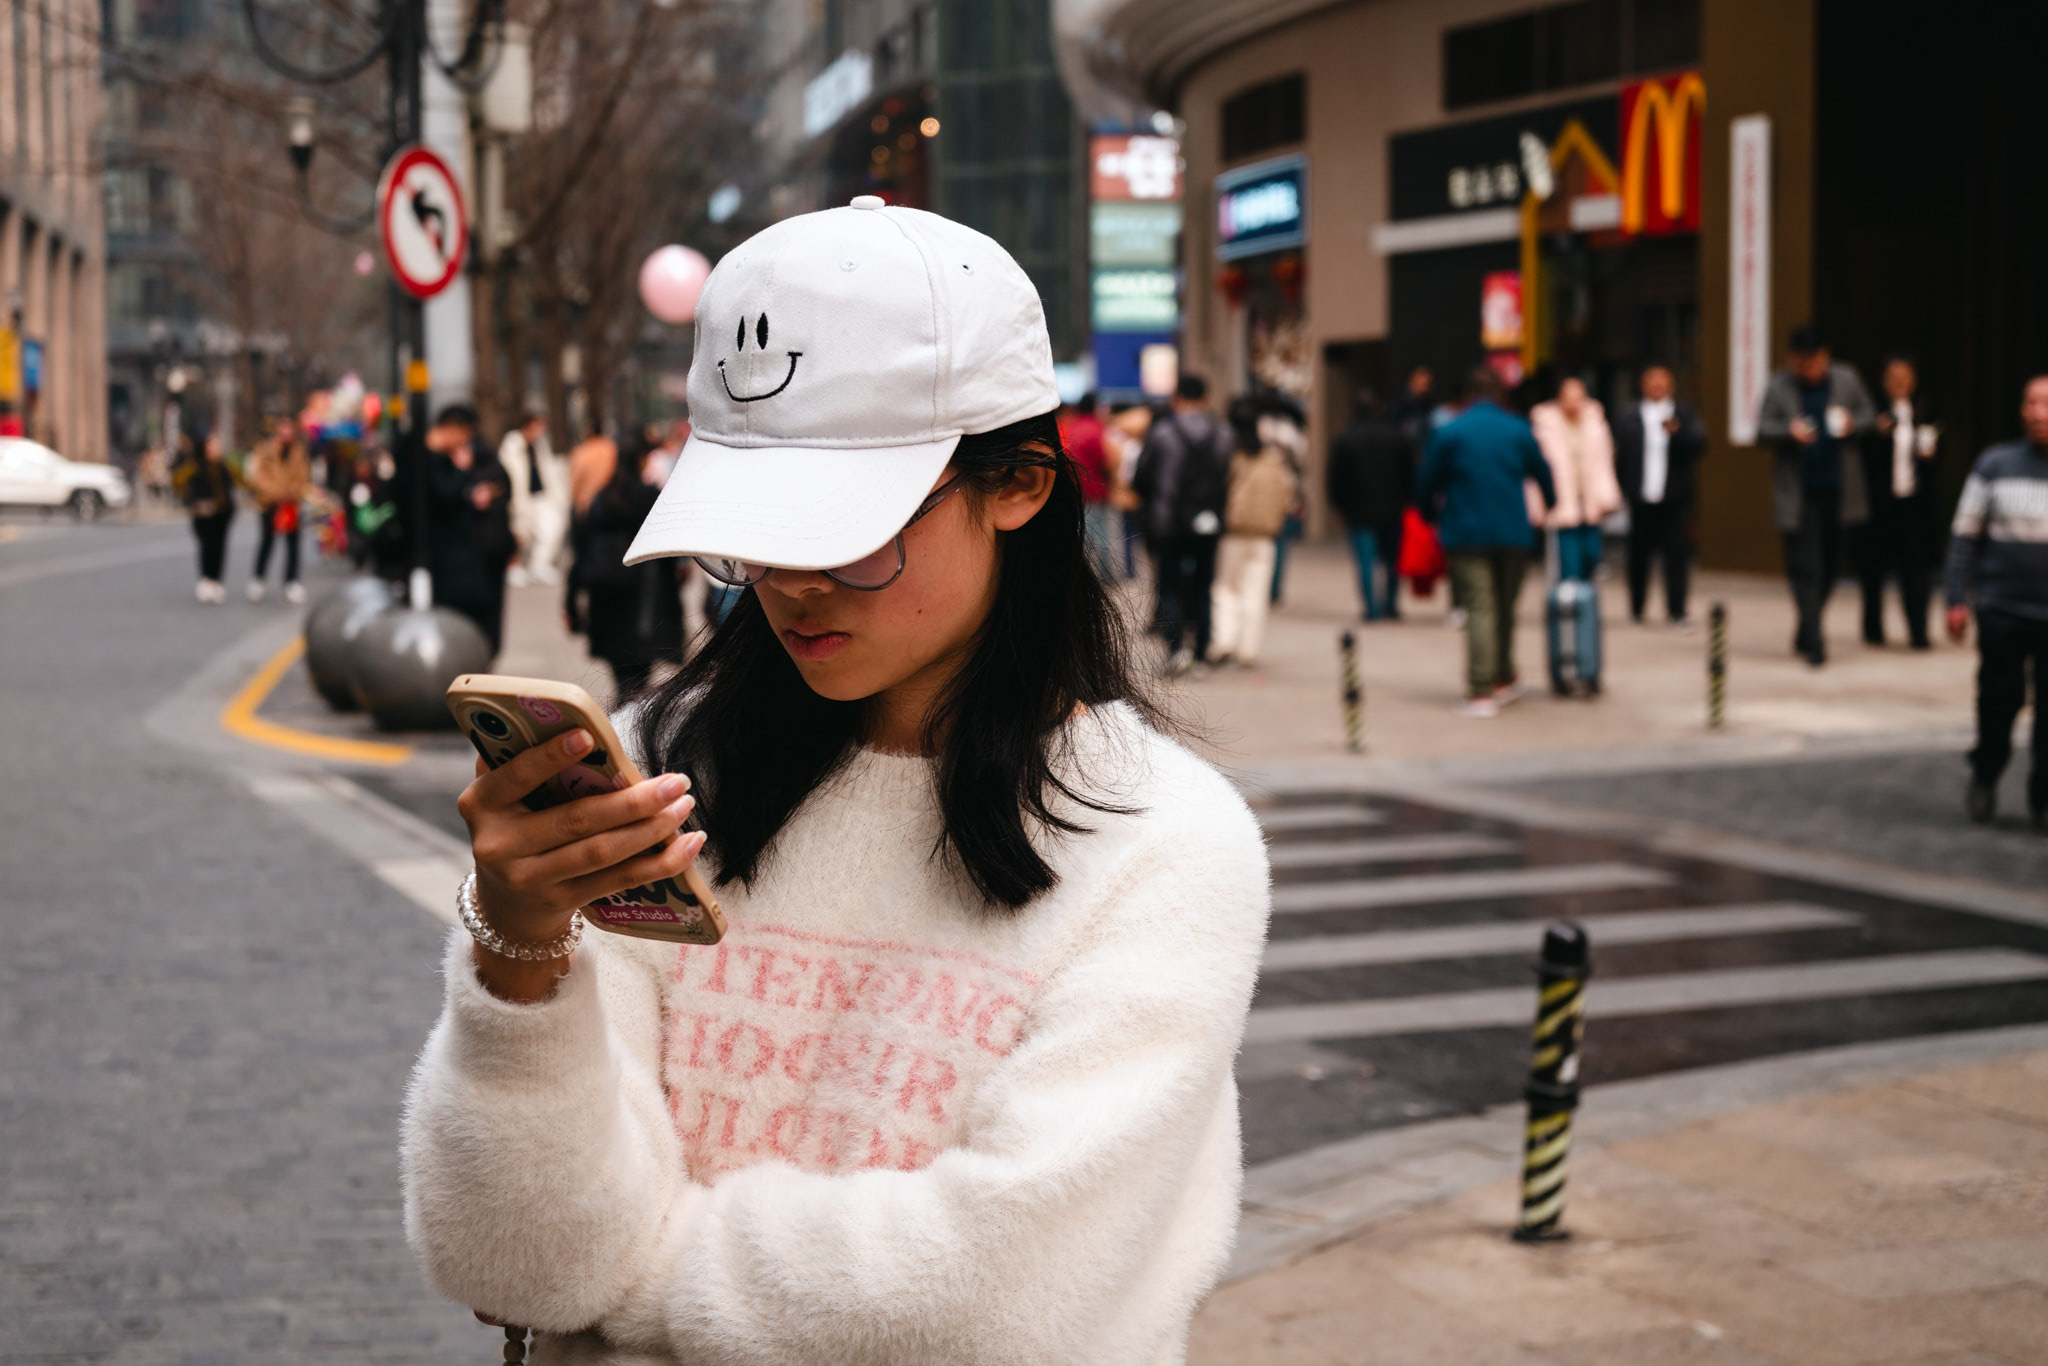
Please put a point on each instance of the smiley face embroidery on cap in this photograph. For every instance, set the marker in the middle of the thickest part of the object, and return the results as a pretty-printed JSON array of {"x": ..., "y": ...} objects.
[{"x": 761, "y": 343}]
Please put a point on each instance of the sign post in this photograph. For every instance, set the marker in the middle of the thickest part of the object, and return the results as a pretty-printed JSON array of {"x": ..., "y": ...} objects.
[
  {"x": 1749, "y": 273},
  {"x": 421, "y": 221},
  {"x": 424, "y": 228}
]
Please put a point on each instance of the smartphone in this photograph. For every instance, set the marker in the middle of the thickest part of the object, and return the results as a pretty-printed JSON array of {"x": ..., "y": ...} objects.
[{"x": 504, "y": 715}]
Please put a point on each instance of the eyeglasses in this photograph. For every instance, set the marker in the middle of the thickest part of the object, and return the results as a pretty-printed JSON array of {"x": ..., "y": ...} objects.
[{"x": 868, "y": 574}]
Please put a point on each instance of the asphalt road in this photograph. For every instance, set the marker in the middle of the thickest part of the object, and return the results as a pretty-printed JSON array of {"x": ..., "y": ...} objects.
[{"x": 209, "y": 1011}]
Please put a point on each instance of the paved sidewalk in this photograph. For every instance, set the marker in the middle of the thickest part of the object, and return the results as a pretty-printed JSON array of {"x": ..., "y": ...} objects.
[
  {"x": 1654, "y": 680},
  {"x": 1904, "y": 1222},
  {"x": 1287, "y": 710}
]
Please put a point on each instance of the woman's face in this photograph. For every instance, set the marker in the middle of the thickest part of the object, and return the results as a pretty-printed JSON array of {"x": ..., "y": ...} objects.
[
  {"x": 850, "y": 645},
  {"x": 1571, "y": 397}
]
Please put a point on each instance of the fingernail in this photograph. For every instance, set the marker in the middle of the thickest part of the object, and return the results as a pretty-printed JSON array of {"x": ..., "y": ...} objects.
[
  {"x": 577, "y": 741},
  {"x": 696, "y": 842},
  {"x": 671, "y": 788}
]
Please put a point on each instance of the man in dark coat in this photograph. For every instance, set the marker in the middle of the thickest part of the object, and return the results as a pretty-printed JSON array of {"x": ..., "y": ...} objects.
[
  {"x": 1182, "y": 475},
  {"x": 469, "y": 521},
  {"x": 1903, "y": 533},
  {"x": 1813, "y": 413},
  {"x": 1658, "y": 442},
  {"x": 1371, "y": 483}
]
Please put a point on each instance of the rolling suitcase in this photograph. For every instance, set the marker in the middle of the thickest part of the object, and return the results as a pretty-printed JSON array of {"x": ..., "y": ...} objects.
[{"x": 1571, "y": 626}]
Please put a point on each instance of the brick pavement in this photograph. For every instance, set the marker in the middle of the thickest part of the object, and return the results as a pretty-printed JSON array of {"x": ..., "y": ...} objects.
[{"x": 1906, "y": 1222}]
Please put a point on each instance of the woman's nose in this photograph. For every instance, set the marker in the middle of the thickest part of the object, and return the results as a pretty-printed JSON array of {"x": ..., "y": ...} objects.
[{"x": 798, "y": 583}]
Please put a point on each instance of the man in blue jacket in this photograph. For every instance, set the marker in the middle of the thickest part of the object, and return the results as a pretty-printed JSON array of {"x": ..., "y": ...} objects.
[{"x": 1471, "y": 487}]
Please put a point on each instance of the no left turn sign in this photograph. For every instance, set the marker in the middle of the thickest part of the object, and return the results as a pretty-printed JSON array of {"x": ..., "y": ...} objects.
[{"x": 422, "y": 222}]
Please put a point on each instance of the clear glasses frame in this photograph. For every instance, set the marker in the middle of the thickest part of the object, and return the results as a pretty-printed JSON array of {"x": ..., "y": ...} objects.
[{"x": 869, "y": 574}]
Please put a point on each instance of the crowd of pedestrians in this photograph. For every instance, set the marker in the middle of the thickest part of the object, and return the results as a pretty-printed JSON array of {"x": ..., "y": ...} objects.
[
  {"x": 1472, "y": 491},
  {"x": 1211, "y": 499}
]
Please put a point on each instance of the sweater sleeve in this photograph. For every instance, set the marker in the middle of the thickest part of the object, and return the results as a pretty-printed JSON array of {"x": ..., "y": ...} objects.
[
  {"x": 1037, "y": 1238},
  {"x": 1966, "y": 540},
  {"x": 536, "y": 1144}
]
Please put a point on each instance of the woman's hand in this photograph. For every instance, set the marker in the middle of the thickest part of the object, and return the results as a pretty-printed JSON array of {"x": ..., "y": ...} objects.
[{"x": 534, "y": 869}]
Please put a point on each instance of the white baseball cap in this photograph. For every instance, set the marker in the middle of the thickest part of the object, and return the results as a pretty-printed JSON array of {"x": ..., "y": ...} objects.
[{"x": 840, "y": 358}]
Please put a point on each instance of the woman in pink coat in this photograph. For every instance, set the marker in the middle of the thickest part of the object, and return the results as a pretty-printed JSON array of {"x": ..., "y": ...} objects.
[{"x": 1572, "y": 431}]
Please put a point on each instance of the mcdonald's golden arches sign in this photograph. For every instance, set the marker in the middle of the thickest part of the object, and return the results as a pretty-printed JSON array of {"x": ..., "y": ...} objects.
[{"x": 1660, "y": 154}]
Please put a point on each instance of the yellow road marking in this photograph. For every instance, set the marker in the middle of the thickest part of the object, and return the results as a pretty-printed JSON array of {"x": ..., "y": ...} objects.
[{"x": 238, "y": 718}]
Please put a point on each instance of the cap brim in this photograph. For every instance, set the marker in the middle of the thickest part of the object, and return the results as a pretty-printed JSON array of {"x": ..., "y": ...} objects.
[{"x": 794, "y": 507}]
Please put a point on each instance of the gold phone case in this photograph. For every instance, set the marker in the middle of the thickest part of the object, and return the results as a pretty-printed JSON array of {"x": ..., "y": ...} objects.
[{"x": 504, "y": 715}]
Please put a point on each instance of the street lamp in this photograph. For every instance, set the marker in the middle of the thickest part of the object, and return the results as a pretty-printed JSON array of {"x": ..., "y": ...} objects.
[{"x": 298, "y": 114}]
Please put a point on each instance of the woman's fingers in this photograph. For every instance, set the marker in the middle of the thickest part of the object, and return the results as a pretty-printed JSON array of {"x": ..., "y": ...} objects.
[
  {"x": 504, "y": 786},
  {"x": 637, "y": 871},
  {"x": 594, "y": 853},
  {"x": 507, "y": 837}
]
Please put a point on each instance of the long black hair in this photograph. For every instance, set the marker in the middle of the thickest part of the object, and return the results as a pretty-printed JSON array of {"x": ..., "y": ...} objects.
[{"x": 756, "y": 741}]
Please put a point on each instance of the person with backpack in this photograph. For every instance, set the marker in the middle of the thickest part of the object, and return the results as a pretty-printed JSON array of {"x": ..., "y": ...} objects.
[
  {"x": 1261, "y": 491},
  {"x": 956, "y": 1085},
  {"x": 1180, "y": 480}
]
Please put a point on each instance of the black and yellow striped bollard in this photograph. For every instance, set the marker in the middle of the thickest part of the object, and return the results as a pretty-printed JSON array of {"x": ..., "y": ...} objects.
[
  {"x": 1354, "y": 694},
  {"x": 1717, "y": 666},
  {"x": 1553, "y": 1086}
]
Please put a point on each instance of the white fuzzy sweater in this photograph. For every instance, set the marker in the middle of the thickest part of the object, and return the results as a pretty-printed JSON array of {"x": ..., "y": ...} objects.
[{"x": 877, "y": 1124}]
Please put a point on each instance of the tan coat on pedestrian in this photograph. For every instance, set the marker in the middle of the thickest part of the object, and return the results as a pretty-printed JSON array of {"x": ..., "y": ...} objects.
[
  {"x": 279, "y": 472},
  {"x": 1581, "y": 459},
  {"x": 1262, "y": 492}
]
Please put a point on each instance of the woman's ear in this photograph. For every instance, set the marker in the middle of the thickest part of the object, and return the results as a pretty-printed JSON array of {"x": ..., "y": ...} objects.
[{"x": 1019, "y": 500}]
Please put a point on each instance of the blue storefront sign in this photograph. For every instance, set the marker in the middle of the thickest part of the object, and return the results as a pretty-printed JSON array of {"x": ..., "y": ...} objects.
[
  {"x": 32, "y": 365},
  {"x": 1262, "y": 208},
  {"x": 1119, "y": 359}
]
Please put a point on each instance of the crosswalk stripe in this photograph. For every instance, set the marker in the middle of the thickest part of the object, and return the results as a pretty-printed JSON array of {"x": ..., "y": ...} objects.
[
  {"x": 1387, "y": 849},
  {"x": 1363, "y": 893},
  {"x": 1319, "y": 816},
  {"x": 1651, "y": 995},
  {"x": 1628, "y": 927}
]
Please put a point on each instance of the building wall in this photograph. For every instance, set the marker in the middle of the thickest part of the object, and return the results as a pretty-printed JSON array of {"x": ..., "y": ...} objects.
[
  {"x": 1373, "y": 68},
  {"x": 1950, "y": 268},
  {"x": 1758, "y": 58},
  {"x": 52, "y": 239}
]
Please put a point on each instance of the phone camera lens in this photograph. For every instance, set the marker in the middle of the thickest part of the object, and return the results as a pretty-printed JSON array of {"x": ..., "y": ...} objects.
[{"x": 490, "y": 724}]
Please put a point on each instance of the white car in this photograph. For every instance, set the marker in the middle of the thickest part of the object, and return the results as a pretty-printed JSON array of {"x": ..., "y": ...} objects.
[{"x": 33, "y": 474}]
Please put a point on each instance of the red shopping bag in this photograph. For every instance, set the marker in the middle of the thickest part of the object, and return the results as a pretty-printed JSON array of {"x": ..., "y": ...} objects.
[
  {"x": 1422, "y": 555},
  {"x": 284, "y": 518}
]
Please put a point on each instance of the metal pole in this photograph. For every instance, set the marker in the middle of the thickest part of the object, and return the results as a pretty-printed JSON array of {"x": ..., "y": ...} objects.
[
  {"x": 1553, "y": 1086},
  {"x": 1354, "y": 694},
  {"x": 1717, "y": 666},
  {"x": 408, "y": 39}
]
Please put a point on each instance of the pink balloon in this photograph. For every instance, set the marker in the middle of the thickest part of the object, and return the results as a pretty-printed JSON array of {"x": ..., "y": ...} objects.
[{"x": 670, "y": 281}]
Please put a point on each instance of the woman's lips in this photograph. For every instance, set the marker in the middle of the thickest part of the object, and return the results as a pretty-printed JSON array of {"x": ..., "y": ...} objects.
[{"x": 813, "y": 643}]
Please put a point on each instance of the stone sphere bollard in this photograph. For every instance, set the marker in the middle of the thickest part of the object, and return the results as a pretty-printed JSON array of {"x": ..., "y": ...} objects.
[
  {"x": 332, "y": 625},
  {"x": 404, "y": 660}
]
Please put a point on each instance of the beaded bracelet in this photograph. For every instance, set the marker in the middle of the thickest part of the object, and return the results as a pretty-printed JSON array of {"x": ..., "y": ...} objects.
[{"x": 561, "y": 946}]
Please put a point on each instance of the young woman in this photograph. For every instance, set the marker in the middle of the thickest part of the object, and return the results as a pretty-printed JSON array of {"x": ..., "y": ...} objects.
[
  {"x": 206, "y": 483},
  {"x": 1571, "y": 430},
  {"x": 957, "y": 1085}
]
